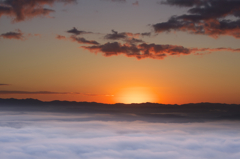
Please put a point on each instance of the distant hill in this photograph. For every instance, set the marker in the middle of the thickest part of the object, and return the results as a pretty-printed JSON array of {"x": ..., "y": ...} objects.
[{"x": 185, "y": 112}]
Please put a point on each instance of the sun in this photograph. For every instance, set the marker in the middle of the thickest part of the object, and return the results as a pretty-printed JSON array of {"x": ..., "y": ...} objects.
[{"x": 136, "y": 95}]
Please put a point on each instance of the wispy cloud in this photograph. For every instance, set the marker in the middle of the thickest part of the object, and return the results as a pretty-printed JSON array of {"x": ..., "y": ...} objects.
[
  {"x": 79, "y": 40},
  {"x": 154, "y": 51},
  {"x": 27, "y": 9},
  {"x": 135, "y": 3},
  {"x": 18, "y": 35},
  {"x": 208, "y": 17},
  {"x": 61, "y": 37},
  {"x": 49, "y": 93},
  {"x": 121, "y": 36},
  {"x": 1, "y": 84},
  {"x": 83, "y": 40},
  {"x": 13, "y": 35},
  {"x": 77, "y": 32},
  {"x": 118, "y": 0}
]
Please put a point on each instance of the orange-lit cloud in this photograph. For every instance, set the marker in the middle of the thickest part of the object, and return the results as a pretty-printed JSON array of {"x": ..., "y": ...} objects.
[
  {"x": 154, "y": 51},
  {"x": 60, "y": 37},
  {"x": 21, "y": 10},
  {"x": 206, "y": 17}
]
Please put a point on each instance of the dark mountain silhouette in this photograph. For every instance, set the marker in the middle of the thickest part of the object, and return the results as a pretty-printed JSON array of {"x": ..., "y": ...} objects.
[{"x": 191, "y": 112}]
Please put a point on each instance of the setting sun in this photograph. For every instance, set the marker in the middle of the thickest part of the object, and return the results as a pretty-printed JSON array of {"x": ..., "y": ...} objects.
[{"x": 136, "y": 95}]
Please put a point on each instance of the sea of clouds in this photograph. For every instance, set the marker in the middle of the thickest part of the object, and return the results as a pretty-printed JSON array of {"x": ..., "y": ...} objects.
[{"x": 36, "y": 135}]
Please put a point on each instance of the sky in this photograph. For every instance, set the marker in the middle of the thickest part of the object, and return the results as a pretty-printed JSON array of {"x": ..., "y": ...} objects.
[{"x": 120, "y": 51}]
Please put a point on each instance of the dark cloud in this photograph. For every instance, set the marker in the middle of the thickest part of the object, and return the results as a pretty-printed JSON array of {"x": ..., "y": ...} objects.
[
  {"x": 5, "y": 92},
  {"x": 146, "y": 34},
  {"x": 116, "y": 48},
  {"x": 80, "y": 40},
  {"x": 18, "y": 35},
  {"x": 83, "y": 40},
  {"x": 28, "y": 92},
  {"x": 134, "y": 41},
  {"x": 182, "y": 3},
  {"x": 77, "y": 32},
  {"x": 116, "y": 36},
  {"x": 21, "y": 10},
  {"x": 208, "y": 17},
  {"x": 124, "y": 35},
  {"x": 127, "y": 37},
  {"x": 13, "y": 35},
  {"x": 1, "y": 84},
  {"x": 154, "y": 51}
]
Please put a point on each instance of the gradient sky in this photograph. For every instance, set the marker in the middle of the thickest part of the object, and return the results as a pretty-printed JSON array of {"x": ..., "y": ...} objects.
[{"x": 111, "y": 51}]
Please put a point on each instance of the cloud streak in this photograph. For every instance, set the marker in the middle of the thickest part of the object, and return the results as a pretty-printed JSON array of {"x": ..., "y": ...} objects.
[
  {"x": 77, "y": 32},
  {"x": 5, "y": 92},
  {"x": 79, "y": 40},
  {"x": 17, "y": 35},
  {"x": 135, "y": 3},
  {"x": 61, "y": 37},
  {"x": 124, "y": 35},
  {"x": 208, "y": 17},
  {"x": 144, "y": 50},
  {"x": 13, "y": 35},
  {"x": 2, "y": 84},
  {"x": 83, "y": 40}
]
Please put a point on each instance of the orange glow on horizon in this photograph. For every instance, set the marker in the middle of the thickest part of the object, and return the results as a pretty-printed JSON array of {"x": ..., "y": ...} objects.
[{"x": 136, "y": 95}]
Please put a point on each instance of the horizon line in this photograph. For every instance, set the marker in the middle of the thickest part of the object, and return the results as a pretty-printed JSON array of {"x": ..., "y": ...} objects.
[{"x": 114, "y": 103}]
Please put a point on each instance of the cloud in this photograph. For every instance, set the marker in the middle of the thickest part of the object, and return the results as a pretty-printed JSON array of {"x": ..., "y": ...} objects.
[
  {"x": 57, "y": 135},
  {"x": 5, "y": 92},
  {"x": 1, "y": 84},
  {"x": 135, "y": 3},
  {"x": 208, "y": 17},
  {"x": 13, "y": 35},
  {"x": 77, "y": 32},
  {"x": 134, "y": 41},
  {"x": 118, "y": 0},
  {"x": 146, "y": 34},
  {"x": 18, "y": 35},
  {"x": 83, "y": 40},
  {"x": 60, "y": 37},
  {"x": 80, "y": 40},
  {"x": 124, "y": 35},
  {"x": 154, "y": 51},
  {"x": 116, "y": 36},
  {"x": 182, "y": 3},
  {"x": 115, "y": 48},
  {"x": 26, "y": 9}
]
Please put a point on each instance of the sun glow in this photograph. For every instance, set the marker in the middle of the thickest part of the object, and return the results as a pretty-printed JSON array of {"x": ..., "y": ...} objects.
[{"x": 136, "y": 95}]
